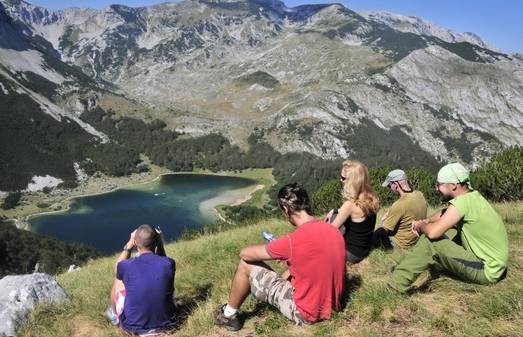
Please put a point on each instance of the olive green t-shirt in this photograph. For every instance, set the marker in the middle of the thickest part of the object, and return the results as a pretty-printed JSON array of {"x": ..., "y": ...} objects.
[
  {"x": 408, "y": 208},
  {"x": 483, "y": 233}
]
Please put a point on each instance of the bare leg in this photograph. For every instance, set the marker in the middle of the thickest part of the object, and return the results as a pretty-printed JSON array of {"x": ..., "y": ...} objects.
[
  {"x": 117, "y": 287},
  {"x": 240, "y": 287}
]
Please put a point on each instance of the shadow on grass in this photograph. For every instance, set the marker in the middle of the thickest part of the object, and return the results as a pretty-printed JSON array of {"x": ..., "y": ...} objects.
[
  {"x": 352, "y": 283},
  {"x": 256, "y": 312},
  {"x": 185, "y": 305}
]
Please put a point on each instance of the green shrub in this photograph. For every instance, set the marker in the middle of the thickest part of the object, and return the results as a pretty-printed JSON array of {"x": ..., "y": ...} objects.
[
  {"x": 377, "y": 176},
  {"x": 423, "y": 181},
  {"x": 501, "y": 178},
  {"x": 11, "y": 200},
  {"x": 245, "y": 213},
  {"x": 327, "y": 197},
  {"x": 69, "y": 184},
  {"x": 20, "y": 250}
]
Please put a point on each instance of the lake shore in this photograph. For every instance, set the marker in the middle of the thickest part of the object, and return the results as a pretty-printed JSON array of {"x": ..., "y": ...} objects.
[
  {"x": 59, "y": 200},
  {"x": 231, "y": 198}
]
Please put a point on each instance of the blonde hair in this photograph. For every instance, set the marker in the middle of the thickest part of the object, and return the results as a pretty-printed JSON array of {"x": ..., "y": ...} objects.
[{"x": 357, "y": 187}]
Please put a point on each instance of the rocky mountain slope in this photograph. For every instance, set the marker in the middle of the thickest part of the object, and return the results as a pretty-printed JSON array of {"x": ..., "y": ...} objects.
[
  {"x": 315, "y": 78},
  {"x": 420, "y": 26},
  {"x": 31, "y": 67}
]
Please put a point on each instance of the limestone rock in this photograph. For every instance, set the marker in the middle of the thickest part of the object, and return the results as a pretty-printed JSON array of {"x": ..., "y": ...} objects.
[
  {"x": 19, "y": 296},
  {"x": 73, "y": 268}
]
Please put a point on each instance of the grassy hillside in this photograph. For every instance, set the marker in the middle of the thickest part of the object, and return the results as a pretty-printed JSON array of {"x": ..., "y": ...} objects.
[{"x": 206, "y": 265}]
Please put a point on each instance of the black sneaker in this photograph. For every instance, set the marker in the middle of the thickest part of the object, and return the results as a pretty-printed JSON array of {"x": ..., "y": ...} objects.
[{"x": 232, "y": 323}]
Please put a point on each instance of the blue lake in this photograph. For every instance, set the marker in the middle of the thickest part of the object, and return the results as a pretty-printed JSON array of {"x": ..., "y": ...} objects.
[{"x": 174, "y": 202}]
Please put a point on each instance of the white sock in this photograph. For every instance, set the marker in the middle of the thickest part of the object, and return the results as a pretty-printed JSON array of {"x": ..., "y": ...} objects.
[{"x": 229, "y": 311}]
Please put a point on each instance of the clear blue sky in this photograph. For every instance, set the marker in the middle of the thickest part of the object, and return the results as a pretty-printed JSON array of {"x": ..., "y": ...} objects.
[{"x": 497, "y": 22}]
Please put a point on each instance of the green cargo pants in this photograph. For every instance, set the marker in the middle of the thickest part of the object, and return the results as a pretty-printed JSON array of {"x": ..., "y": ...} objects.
[{"x": 443, "y": 254}]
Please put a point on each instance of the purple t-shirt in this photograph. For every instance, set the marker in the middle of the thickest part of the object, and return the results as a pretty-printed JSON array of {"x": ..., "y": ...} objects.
[{"x": 149, "y": 287}]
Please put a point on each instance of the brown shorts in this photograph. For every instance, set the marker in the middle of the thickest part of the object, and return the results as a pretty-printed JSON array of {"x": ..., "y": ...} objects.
[{"x": 267, "y": 286}]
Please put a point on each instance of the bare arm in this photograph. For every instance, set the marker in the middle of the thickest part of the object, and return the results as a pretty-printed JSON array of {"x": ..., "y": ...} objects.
[
  {"x": 434, "y": 217},
  {"x": 344, "y": 212},
  {"x": 255, "y": 253},
  {"x": 126, "y": 253},
  {"x": 258, "y": 253},
  {"x": 438, "y": 224}
]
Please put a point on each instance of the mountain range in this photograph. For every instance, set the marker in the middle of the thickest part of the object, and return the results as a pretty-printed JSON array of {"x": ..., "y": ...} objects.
[{"x": 320, "y": 79}]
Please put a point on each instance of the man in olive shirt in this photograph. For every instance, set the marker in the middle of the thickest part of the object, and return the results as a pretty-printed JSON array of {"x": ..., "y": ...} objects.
[
  {"x": 476, "y": 251},
  {"x": 410, "y": 206}
]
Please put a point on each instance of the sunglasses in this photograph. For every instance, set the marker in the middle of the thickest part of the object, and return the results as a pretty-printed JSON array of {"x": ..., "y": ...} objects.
[{"x": 437, "y": 185}]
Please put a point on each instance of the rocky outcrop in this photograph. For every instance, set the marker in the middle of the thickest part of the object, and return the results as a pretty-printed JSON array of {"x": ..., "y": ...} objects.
[
  {"x": 315, "y": 78},
  {"x": 20, "y": 294},
  {"x": 485, "y": 97},
  {"x": 420, "y": 26}
]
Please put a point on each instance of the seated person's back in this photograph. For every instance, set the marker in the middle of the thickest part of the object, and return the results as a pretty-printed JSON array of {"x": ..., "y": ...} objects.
[
  {"x": 143, "y": 291},
  {"x": 411, "y": 206},
  {"x": 358, "y": 234},
  {"x": 357, "y": 215},
  {"x": 315, "y": 255},
  {"x": 148, "y": 281},
  {"x": 312, "y": 285}
]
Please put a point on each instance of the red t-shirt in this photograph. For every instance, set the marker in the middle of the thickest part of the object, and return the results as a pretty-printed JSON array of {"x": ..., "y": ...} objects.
[{"x": 315, "y": 255}]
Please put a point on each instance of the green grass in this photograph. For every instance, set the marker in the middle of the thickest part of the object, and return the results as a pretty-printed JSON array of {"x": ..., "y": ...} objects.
[{"x": 206, "y": 265}]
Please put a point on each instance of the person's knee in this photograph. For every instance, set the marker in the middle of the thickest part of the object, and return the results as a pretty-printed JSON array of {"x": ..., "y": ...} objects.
[
  {"x": 244, "y": 267},
  {"x": 117, "y": 287}
]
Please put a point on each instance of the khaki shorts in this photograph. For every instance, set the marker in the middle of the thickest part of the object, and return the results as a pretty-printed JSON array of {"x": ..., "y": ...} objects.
[{"x": 269, "y": 287}]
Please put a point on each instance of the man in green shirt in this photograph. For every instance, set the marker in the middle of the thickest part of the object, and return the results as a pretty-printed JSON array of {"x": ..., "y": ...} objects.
[
  {"x": 410, "y": 206},
  {"x": 477, "y": 251}
]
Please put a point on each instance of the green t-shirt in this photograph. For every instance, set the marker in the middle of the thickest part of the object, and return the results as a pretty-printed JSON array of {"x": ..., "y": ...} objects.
[
  {"x": 483, "y": 233},
  {"x": 408, "y": 208}
]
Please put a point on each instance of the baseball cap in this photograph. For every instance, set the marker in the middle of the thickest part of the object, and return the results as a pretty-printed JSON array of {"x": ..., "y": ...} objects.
[
  {"x": 454, "y": 173},
  {"x": 394, "y": 175}
]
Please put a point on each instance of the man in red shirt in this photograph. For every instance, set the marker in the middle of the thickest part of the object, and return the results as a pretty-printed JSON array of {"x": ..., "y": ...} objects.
[{"x": 313, "y": 283}]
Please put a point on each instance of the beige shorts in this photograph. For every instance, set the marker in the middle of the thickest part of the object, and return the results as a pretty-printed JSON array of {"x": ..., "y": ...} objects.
[{"x": 267, "y": 286}]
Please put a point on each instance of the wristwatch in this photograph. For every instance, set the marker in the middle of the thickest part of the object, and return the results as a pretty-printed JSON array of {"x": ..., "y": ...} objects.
[{"x": 129, "y": 250}]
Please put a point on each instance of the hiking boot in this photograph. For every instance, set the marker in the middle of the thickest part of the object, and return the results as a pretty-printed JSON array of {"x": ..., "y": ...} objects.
[{"x": 232, "y": 323}]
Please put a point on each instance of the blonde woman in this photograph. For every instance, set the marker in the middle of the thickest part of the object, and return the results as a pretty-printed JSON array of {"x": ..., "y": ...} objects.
[{"x": 356, "y": 217}]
